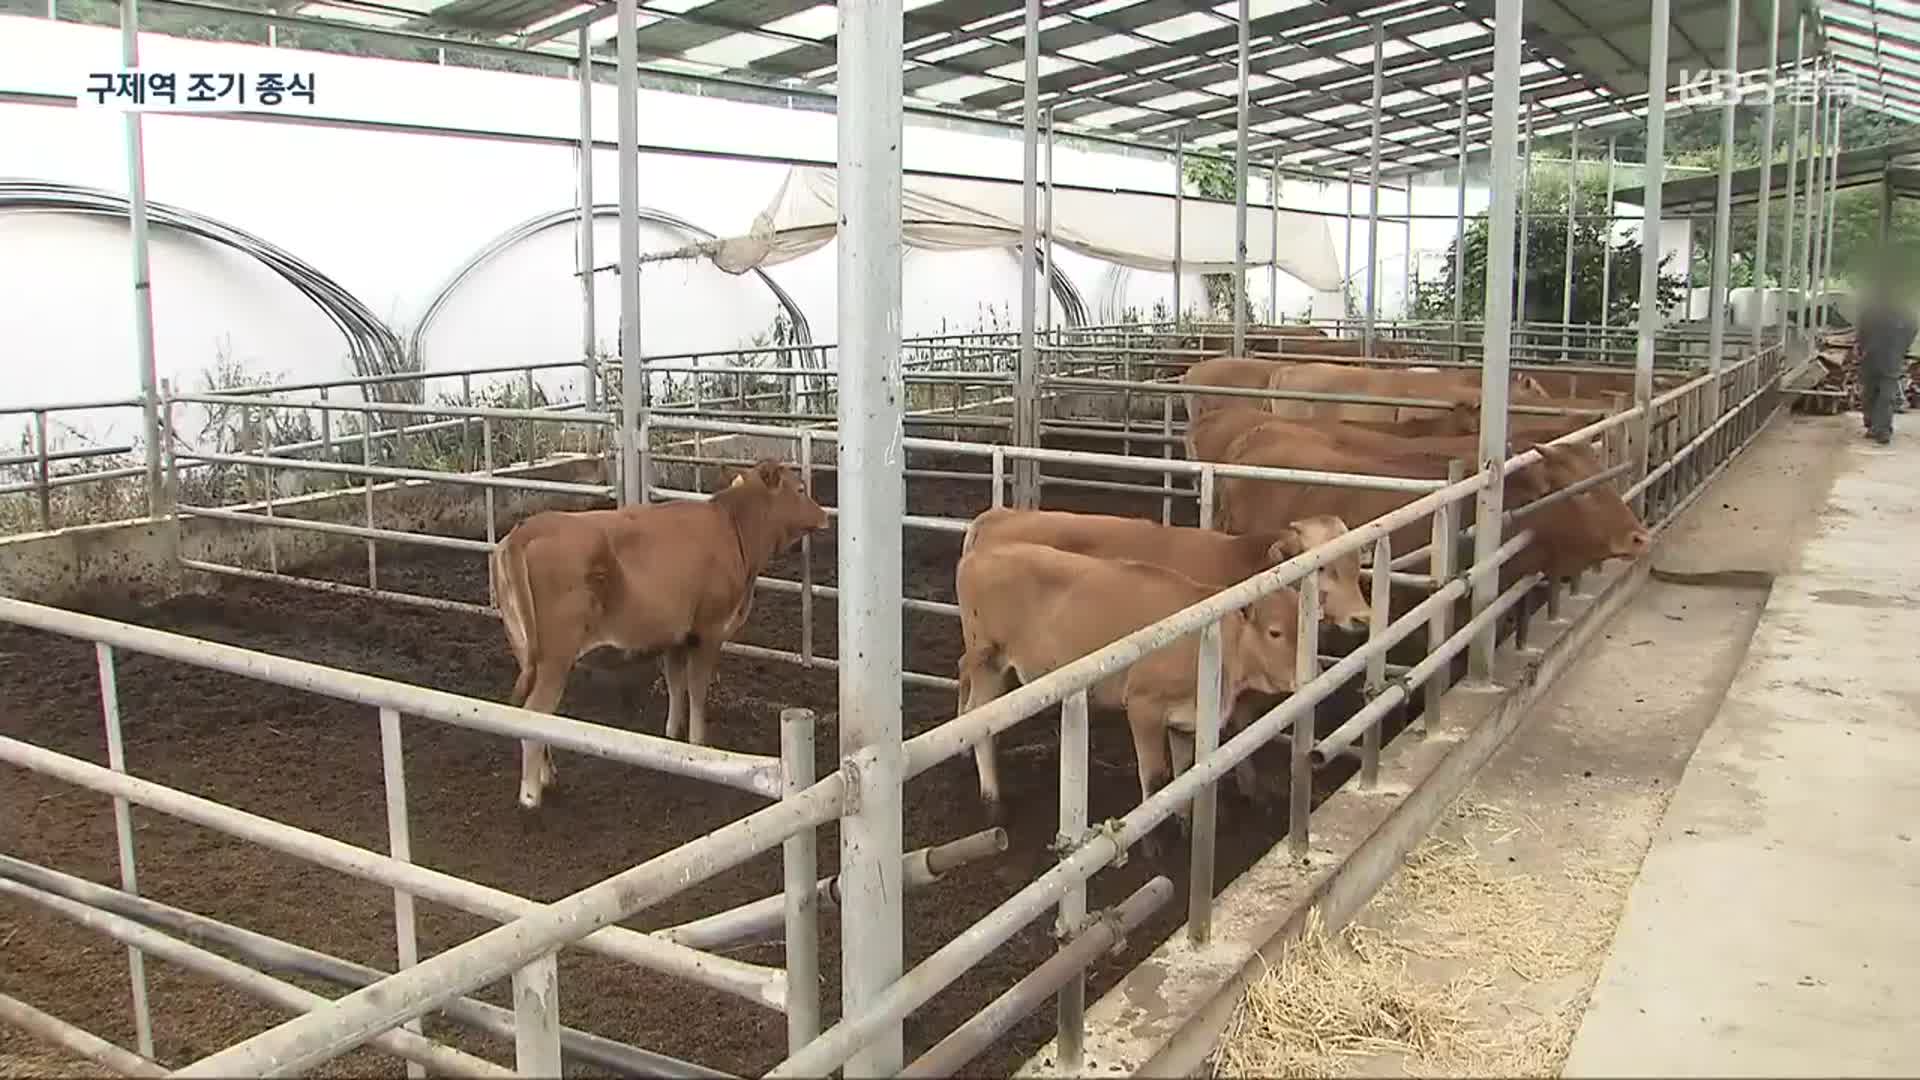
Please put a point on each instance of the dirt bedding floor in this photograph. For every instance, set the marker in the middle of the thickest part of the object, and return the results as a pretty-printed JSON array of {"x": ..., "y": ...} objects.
[{"x": 315, "y": 763}]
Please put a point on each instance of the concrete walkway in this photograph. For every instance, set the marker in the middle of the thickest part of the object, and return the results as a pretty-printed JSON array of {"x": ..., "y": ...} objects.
[{"x": 1774, "y": 928}]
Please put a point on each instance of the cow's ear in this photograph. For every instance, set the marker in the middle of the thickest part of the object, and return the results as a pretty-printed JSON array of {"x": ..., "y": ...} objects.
[
  {"x": 1289, "y": 544},
  {"x": 768, "y": 473}
]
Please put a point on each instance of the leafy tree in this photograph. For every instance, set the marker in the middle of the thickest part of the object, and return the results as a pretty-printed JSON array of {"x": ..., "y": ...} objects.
[
  {"x": 1545, "y": 263},
  {"x": 1213, "y": 179}
]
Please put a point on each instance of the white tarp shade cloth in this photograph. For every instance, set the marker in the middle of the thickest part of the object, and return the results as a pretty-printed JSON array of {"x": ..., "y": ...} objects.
[{"x": 949, "y": 214}]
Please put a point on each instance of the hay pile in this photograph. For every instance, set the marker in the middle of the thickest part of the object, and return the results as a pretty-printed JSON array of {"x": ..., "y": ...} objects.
[{"x": 1445, "y": 992}]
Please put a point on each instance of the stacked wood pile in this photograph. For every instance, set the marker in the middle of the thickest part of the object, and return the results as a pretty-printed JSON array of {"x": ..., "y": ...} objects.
[{"x": 1841, "y": 381}]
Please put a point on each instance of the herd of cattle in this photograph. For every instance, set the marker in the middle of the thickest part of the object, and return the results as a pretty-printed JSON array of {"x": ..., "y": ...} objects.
[{"x": 1038, "y": 589}]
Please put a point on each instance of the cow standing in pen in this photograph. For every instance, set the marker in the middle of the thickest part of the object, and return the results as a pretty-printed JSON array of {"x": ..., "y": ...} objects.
[
  {"x": 673, "y": 578},
  {"x": 1027, "y": 609}
]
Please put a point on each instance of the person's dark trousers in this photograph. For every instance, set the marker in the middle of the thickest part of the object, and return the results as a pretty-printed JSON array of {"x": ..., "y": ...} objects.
[{"x": 1877, "y": 395}]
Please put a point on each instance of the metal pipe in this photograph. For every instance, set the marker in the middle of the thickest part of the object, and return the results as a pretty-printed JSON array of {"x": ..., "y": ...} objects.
[
  {"x": 1239, "y": 294},
  {"x": 1788, "y": 264},
  {"x": 1373, "y": 189},
  {"x": 1460, "y": 225},
  {"x": 399, "y": 846},
  {"x": 1606, "y": 247},
  {"x": 633, "y": 482},
  {"x": 1498, "y": 342},
  {"x": 1526, "y": 214},
  {"x": 1766, "y": 171},
  {"x": 1179, "y": 214},
  {"x": 983, "y": 1029},
  {"x": 1566, "y": 281},
  {"x": 273, "y": 954},
  {"x": 42, "y": 490},
  {"x": 589, "y": 358},
  {"x": 1074, "y": 776},
  {"x": 265, "y": 987},
  {"x": 1651, "y": 181},
  {"x": 1273, "y": 244},
  {"x": 449, "y": 543},
  {"x": 341, "y": 468},
  {"x": 308, "y": 1040},
  {"x": 1382, "y": 616},
  {"x": 1816, "y": 194},
  {"x": 1832, "y": 207},
  {"x": 1026, "y": 406},
  {"x": 123, "y": 840},
  {"x": 1442, "y": 551},
  {"x": 142, "y": 270},
  {"x": 77, "y": 1040},
  {"x": 1210, "y": 707},
  {"x": 1306, "y": 669},
  {"x": 872, "y": 493},
  {"x": 1723, "y": 201},
  {"x": 1046, "y": 250}
]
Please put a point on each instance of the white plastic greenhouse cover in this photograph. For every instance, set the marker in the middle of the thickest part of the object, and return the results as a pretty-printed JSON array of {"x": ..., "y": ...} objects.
[{"x": 952, "y": 214}]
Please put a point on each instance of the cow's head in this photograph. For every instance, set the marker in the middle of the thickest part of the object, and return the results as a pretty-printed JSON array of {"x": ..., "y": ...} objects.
[
  {"x": 1342, "y": 603},
  {"x": 1584, "y": 530},
  {"x": 790, "y": 509},
  {"x": 1527, "y": 385},
  {"x": 1263, "y": 648}
]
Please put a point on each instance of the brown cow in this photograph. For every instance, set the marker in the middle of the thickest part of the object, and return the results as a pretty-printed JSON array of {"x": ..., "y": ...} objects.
[
  {"x": 1205, "y": 555},
  {"x": 1028, "y": 609},
  {"x": 1570, "y": 536},
  {"x": 1454, "y": 386},
  {"x": 673, "y": 577},
  {"x": 1208, "y": 438}
]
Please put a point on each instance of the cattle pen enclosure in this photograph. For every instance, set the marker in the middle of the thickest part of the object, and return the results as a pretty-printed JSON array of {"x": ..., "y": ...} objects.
[
  {"x": 384, "y": 576},
  {"x": 269, "y": 703}
]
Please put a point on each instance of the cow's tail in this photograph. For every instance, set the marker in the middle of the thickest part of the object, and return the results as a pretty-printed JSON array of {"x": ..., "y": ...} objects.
[{"x": 514, "y": 598}]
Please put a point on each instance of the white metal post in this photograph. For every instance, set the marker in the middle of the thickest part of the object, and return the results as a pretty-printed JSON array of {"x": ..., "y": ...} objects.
[
  {"x": 873, "y": 499},
  {"x": 1240, "y": 196},
  {"x": 1306, "y": 668},
  {"x": 634, "y": 487},
  {"x": 1346, "y": 256},
  {"x": 1497, "y": 338},
  {"x": 1816, "y": 197},
  {"x": 799, "y": 859},
  {"x": 1832, "y": 207},
  {"x": 1273, "y": 244},
  {"x": 1723, "y": 199},
  {"x": 1606, "y": 245},
  {"x": 1075, "y": 764},
  {"x": 1526, "y": 219},
  {"x": 1373, "y": 188},
  {"x": 1046, "y": 251},
  {"x": 1566, "y": 270},
  {"x": 123, "y": 838},
  {"x": 400, "y": 845},
  {"x": 589, "y": 362},
  {"x": 142, "y": 271},
  {"x": 1766, "y": 172},
  {"x": 1026, "y": 395},
  {"x": 1788, "y": 267},
  {"x": 1460, "y": 229},
  {"x": 1208, "y": 709},
  {"x": 536, "y": 1018},
  {"x": 1179, "y": 214},
  {"x": 1652, "y": 179}
]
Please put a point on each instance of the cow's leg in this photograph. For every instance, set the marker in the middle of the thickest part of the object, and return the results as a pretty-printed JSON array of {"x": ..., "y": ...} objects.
[
  {"x": 701, "y": 660},
  {"x": 1148, "y": 723},
  {"x": 674, "y": 663},
  {"x": 980, "y": 684},
  {"x": 536, "y": 760}
]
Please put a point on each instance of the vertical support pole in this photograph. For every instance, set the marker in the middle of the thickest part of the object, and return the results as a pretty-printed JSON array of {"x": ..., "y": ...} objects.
[
  {"x": 1651, "y": 184},
  {"x": 1273, "y": 247},
  {"x": 1566, "y": 270},
  {"x": 1526, "y": 221},
  {"x": 123, "y": 838},
  {"x": 142, "y": 270},
  {"x": 1498, "y": 338},
  {"x": 1026, "y": 395},
  {"x": 806, "y": 551},
  {"x": 799, "y": 860},
  {"x": 634, "y": 484},
  {"x": 1788, "y": 265},
  {"x": 1766, "y": 173},
  {"x": 366, "y": 458},
  {"x": 1346, "y": 257},
  {"x": 1460, "y": 231},
  {"x": 1074, "y": 772},
  {"x": 41, "y": 488},
  {"x": 1886, "y": 211},
  {"x": 1166, "y": 453},
  {"x": 1440, "y": 566},
  {"x": 589, "y": 363},
  {"x": 1816, "y": 181},
  {"x": 1240, "y": 194},
  {"x": 1406, "y": 256},
  {"x": 1832, "y": 207},
  {"x": 1306, "y": 668},
  {"x": 1208, "y": 710},
  {"x": 1382, "y": 596},
  {"x": 1046, "y": 251},
  {"x": 1606, "y": 252},
  {"x": 486, "y": 463},
  {"x": 1179, "y": 214},
  {"x": 873, "y": 498},
  {"x": 536, "y": 1018},
  {"x": 1373, "y": 188},
  {"x": 400, "y": 846},
  {"x": 1723, "y": 200}
]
